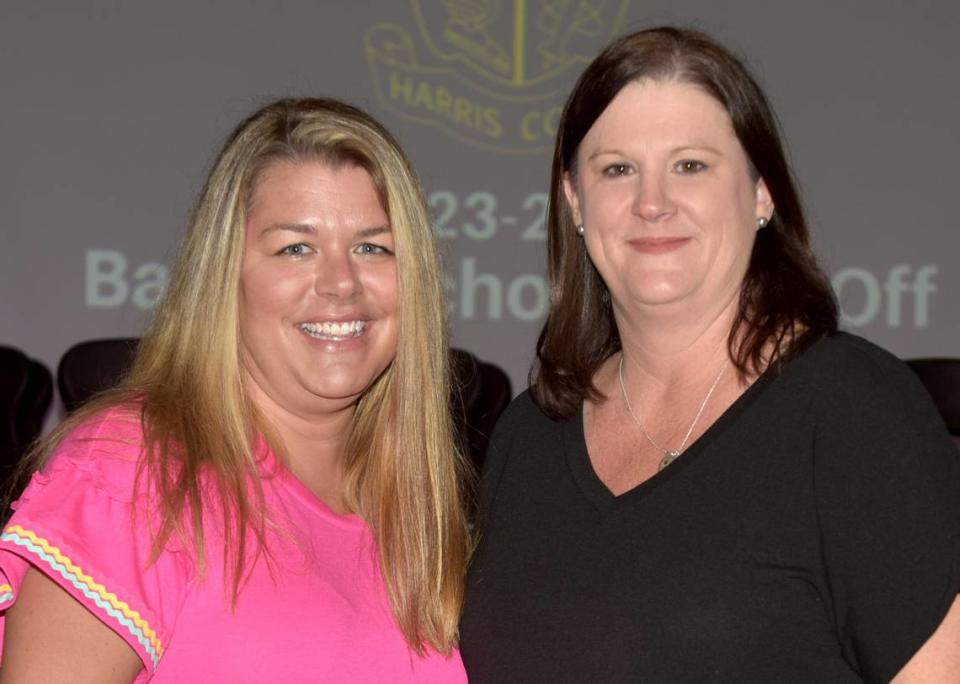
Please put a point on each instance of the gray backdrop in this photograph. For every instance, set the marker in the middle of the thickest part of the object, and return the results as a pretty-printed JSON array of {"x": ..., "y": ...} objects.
[{"x": 111, "y": 113}]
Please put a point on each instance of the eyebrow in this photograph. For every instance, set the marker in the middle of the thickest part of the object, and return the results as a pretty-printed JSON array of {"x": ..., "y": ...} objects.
[
  {"x": 308, "y": 229},
  {"x": 600, "y": 153},
  {"x": 302, "y": 228},
  {"x": 675, "y": 150},
  {"x": 373, "y": 231},
  {"x": 698, "y": 147}
]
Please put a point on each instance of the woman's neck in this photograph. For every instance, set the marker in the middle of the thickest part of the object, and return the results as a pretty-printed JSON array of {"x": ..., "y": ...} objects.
[
  {"x": 312, "y": 445},
  {"x": 674, "y": 350}
]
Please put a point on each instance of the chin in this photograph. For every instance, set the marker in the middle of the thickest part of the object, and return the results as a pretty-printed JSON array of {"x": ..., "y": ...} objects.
[
  {"x": 340, "y": 384},
  {"x": 659, "y": 291}
]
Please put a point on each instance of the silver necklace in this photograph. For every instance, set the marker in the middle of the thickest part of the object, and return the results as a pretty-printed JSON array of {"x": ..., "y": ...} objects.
[{"x": 669, "y": 455}]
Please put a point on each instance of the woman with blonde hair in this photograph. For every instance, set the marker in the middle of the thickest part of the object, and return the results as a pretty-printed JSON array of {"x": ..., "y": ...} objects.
[{"x": 273, "y": 494}]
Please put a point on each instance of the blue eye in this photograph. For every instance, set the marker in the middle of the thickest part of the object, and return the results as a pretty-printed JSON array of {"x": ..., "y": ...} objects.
[
  {"x": 296, "y": 249},
  {"x": 370, "y": 248},
  {"x": 690, "y": 166}
]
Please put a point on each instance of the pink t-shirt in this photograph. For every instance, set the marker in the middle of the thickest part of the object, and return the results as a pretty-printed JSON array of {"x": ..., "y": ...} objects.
[{"x": 317, "y": 610}]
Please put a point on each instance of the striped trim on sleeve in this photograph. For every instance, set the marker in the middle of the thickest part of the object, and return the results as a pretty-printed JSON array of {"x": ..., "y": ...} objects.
[{"x": 126, "y": 617}]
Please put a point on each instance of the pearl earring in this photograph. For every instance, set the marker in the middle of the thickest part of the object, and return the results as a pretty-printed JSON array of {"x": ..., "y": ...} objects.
[
  {"x": 762, "y": 222},
  {"x": 581, "y": 231}
]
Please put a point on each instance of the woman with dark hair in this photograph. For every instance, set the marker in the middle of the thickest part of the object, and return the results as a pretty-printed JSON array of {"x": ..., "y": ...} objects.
[
  {"x": 273, "y": 494},
  {"x": 706, "y": 481}
]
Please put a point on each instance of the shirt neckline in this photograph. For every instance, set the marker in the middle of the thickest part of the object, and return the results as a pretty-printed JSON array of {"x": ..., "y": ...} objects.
[
  {"x": 272, "y": 469},
  {"x": 600, "y": 496}
]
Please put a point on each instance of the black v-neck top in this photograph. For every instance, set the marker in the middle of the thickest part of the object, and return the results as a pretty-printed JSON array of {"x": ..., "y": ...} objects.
[
  {"x": 593, "y": 488},
  {"x": 812, "y": 534}
]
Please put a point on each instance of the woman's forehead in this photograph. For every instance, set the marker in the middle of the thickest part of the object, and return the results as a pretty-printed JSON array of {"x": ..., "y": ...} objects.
[{"x": 661, "y": 113}]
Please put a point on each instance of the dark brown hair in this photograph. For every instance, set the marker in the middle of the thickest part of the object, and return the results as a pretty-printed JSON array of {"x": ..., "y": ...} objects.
[{"x": 786, "y": 302}]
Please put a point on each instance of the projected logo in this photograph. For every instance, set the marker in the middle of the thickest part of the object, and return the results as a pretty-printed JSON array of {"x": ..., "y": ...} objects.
[{"x": 493, "y": 73}]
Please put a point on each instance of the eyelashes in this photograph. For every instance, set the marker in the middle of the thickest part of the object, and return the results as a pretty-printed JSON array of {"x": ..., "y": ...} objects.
[
  {"x": 370, "y": 248},
  {"x": 300, "y": 249},
  {"x": 615, "y": 170},
  {"x": 683, "y": 167},
  {"x": 297, "y": 249},
  {"x": 690, "y": 166}
]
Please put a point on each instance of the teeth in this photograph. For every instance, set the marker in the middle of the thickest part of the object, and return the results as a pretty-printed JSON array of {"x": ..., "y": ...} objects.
[{"x": 334, "y": 330}]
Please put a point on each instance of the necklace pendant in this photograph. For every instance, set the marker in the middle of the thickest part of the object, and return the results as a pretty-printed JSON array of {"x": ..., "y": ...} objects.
[
  {"x": 668, "y": 458},
  {"x": 669, "y": 455}
]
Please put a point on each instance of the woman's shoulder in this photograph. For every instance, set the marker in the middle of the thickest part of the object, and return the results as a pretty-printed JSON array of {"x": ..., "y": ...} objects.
[
  {"x": 846, "y": 362},
  {"x": 855, "y": 381},
  {"x": 845, "y": 346},
  {"x": 524, "y": 413},
  {"x": 110, "y": 424},
  {"x": 524, "y": 424},
  {"x": 523, "y": 404},
  {"x": 83, "y": 523},
  {"x": 102, "y": 449}
]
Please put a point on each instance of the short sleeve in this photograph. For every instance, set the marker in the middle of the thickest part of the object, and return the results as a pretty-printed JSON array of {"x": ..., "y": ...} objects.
[
  {"x": 76, "y": 523},
  {"x": 887, "y": 479}
]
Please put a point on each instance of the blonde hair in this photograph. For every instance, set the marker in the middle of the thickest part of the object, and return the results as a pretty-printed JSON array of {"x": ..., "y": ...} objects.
[{"x": 403, "y": 470}]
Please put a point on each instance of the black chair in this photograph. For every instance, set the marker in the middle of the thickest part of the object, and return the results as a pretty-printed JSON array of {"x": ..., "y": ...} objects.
[
  {"x": 26, "y": 392},
  {"x": 941, "y": 377},
  {"x": 88, "y": 368},
  {"x": 480, "y": 391}
]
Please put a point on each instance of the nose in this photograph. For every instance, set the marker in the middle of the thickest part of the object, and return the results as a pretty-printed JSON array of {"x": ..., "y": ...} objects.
[
  {"x": 337, "y": 276},
  {"x": 652, "y": 201}
]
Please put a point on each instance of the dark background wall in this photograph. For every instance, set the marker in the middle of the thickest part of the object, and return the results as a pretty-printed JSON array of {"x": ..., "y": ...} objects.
[{"x": 111, "y": 113}]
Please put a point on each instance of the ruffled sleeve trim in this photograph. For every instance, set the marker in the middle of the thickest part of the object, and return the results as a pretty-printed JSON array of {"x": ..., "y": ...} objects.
[{"x": 64, "y": 571}]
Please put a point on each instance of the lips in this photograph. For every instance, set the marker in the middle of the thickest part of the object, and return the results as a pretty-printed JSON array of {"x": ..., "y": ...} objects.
[
  {"x": 658, "y": 245},
  {"x": 334, "y": 330}
]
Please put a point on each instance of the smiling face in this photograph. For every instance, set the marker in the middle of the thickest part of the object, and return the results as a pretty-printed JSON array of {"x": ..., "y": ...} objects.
[
  {"x": 665, "y": 192},
  {"x": 318, "y": 287}
]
